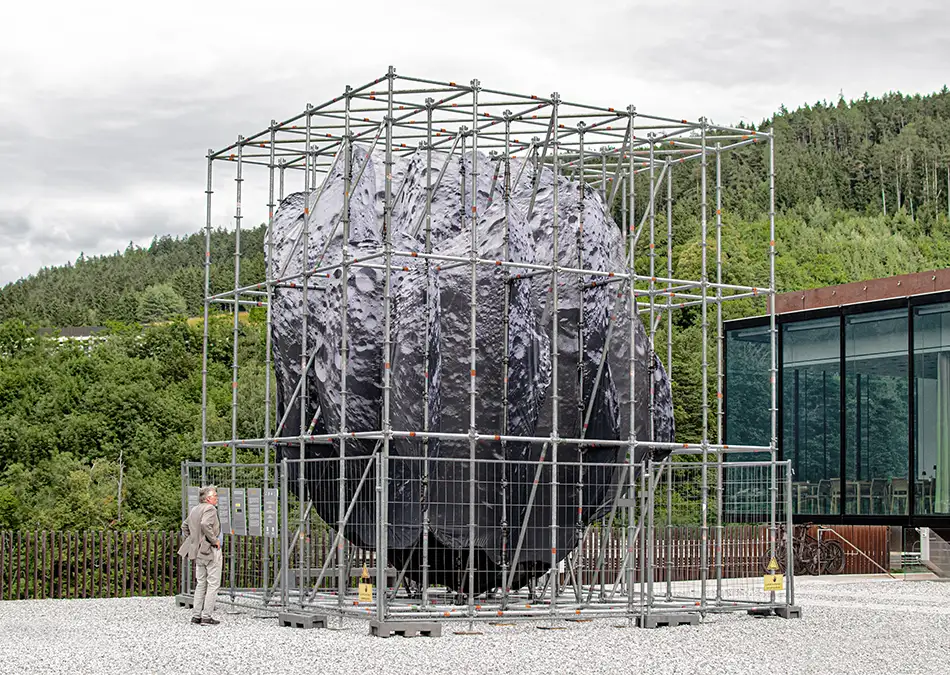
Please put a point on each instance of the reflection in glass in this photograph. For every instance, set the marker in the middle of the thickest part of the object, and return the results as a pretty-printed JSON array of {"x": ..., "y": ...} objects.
[
  {"x": 932, "y": 408},
  {"x": 748, "y": 395},
  {"x": 811, "y": 433},
  {"x": 876, "y": 411}
]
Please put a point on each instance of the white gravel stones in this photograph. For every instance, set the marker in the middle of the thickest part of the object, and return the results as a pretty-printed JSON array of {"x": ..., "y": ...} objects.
[{"x": 856, "y": 626}]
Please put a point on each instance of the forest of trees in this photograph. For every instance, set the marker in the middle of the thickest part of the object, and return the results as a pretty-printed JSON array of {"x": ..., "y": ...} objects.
[{"x": 862, "y": 193}]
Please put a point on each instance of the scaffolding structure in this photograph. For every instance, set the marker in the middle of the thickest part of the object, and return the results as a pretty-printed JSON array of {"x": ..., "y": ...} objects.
[{"x": 621, "y": 153}]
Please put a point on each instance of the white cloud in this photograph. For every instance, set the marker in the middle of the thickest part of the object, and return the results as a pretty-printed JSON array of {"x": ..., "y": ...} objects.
[{"x": 107, "y": 108}]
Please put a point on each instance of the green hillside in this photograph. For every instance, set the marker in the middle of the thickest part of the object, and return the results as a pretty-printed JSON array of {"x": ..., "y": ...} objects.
[{"x": 862, "y": 191}]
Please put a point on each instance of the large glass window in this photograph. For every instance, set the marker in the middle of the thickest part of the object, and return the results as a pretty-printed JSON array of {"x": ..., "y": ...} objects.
[
  {"x": 748, "y": 394},
  {"x": 876, "y": 413},
  {"x": 748, "y": 419},
  {"x": 811, "y": 404},
  {"x": 932, "y": 408}
]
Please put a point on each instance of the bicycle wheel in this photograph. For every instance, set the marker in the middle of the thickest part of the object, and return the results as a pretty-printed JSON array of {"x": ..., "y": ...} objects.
[
  {"x": 807, "y": 561},
  {"x": 832, "y": 557}
]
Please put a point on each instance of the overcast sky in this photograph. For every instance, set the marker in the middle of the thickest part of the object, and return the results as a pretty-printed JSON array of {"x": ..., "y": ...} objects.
[{"x": 108, "y": 108}]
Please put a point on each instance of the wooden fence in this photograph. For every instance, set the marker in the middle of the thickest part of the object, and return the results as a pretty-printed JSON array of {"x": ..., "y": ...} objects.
[
  {"x": 107, "y": 564},
  {"x": 745, "y": 551},
  {"x": 94, "y": 564}
]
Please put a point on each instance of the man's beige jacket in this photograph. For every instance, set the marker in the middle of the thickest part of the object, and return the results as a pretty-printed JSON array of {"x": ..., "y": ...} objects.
[{"x": 201, "y": 529}]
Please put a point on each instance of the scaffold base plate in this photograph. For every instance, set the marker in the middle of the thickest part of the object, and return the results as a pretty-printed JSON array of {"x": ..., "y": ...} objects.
[
  {"x": 387, "y": 629},
  {"x": 185, "y": 600},
  {"x": 298, "y": 620},
  {"x": 670, "y": 620}
]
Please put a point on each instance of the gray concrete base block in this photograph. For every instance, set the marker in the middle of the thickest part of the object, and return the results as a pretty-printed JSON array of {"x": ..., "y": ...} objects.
[
  {"x": 301, "y": 620},
  {"x": 670, "y": 620},
  {"x": 789, "y": 612},
  {"x": 387, "y": 629},
  {"x": 185, "y": 600}
]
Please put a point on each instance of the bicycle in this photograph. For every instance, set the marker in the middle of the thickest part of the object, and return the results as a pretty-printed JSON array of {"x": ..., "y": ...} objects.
[{"x": 811, "y": 556}]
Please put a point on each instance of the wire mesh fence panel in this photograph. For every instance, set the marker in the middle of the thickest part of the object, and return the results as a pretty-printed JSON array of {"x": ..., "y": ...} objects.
[
  {"x": 716, "y": 531},
  {"x": 462, "y": 538}
]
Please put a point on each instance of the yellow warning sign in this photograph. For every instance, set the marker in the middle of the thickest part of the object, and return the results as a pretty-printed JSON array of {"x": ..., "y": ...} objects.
[
  {"x": 774, "y": 582},
  {"x": 365, "y": 574},
  {"x": 773, "y": 565},
  {"x": 366, "y": 592}
]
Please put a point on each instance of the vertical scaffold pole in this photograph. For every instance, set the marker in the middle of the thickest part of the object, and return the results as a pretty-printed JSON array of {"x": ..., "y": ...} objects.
[
  {"x": 773, "y": 353},
  {"x": 239, "y": 181},
  {"x": 473, "y": 253},
  {"x": 382, "y": 471},
  {"x": 581, "y": 431},
  {"x": 704, "y": 282},
  {"x": 720, "y": 375},
  {"x": 204, "y": 330},
  {"x": 426, "y": 403},
  {"x": 648, "y": 537},
  {"x": 343, "y": 573},
  {"x": 669, "y": 372},
  {"x": 555, "y": 391},
  {"x": 284, "y": 537},
  {"x": 505, "y": 362},
  {"x": 632, "y": 394},
  {"x": 789, "y": 529},
  {"x": 304, "y": 350},
  {"x": 652, "y": 479},
  {"x": 268, "y": 443}
]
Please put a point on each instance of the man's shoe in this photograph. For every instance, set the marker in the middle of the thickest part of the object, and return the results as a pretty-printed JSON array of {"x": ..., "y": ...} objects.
[
  {"x": 196, "y": 619},
  {"x": 209, "y": 622}
]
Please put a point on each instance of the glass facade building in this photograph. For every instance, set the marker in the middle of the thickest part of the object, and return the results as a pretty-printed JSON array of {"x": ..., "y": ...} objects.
[{"x": 864, "y": 407}]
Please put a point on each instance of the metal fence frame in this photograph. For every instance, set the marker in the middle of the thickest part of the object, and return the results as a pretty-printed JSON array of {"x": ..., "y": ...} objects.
[{"x": 610, "y": 148}]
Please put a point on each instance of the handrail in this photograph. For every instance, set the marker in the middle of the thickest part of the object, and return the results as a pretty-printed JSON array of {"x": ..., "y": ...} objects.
[{"x": 845, "y": 540}]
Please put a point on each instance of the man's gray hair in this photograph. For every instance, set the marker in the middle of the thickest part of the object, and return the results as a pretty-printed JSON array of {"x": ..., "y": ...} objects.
[{"x": 205, "y": 492}]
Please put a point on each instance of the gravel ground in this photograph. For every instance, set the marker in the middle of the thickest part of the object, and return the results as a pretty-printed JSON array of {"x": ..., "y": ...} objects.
[{"x": 854, "y": 626}]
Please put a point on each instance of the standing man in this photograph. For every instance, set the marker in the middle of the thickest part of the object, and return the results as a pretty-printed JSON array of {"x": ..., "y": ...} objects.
[{"x": 202, "y": 531}]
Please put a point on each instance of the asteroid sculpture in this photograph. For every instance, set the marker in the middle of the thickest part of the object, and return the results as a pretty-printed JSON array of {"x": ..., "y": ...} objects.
[{"x": 431, "y": 492}]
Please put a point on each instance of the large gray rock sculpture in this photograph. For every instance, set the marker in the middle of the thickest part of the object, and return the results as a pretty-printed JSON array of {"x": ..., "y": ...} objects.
[{"x": 430, "y": 370}]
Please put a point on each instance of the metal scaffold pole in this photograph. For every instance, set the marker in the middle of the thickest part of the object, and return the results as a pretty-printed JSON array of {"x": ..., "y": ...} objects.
[
  {"x": 426, "y": 402},
  {"x": 773, "y": 360},
  {"x": 704, "y": 557},
  {"x": 506, "y": 356},
  {"x": 631, "y": 346},
  {"x": 268, "y": 340},
  {"x": 204, "y": 326},
  {"x": 343, "y": 572},
  {"x": 473, "y": 365},
  {"x": 720, "y": 375},
  {"x": 304, "y": 364},
  {"x": 239, "y": 182},
  {"x": 669, "y": 372},
  {"x": 382, "y": 470},
  {"x": 555, "y": 352},
  {"x": 581, "y": 430}
]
